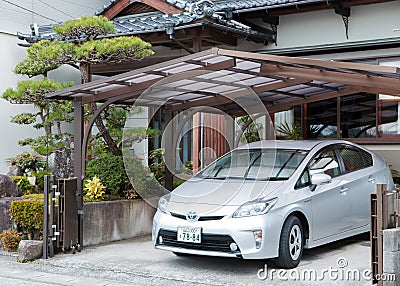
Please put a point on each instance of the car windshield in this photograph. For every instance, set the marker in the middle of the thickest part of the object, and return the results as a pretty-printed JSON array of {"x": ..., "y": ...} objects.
[{"x": 255, "y": 164}]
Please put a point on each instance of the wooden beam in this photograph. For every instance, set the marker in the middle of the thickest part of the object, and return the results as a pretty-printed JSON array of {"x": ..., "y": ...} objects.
[
  {"x": 117, "y": 68},
  {"x": 135, "y": 89},
  {"x": 162, "y": 6},
  {"x": 331, "y": 76},
  {"x": 217, "y": 37},
  {"x": 115, "y": 8},
  {"x": 308, "y": 62}
]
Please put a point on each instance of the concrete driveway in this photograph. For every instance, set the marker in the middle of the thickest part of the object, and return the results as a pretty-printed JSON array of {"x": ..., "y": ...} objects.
[{"x": 136, "y": 262}]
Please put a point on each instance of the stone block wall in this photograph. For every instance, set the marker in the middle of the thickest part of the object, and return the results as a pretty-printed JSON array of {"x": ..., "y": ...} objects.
[{"x": 391, "y": 256}]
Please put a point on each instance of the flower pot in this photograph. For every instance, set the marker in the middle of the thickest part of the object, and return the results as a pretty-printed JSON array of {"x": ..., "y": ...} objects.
[{"x": 32, "y": 180}]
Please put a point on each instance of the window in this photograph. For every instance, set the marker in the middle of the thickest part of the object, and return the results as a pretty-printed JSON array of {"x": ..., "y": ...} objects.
[
  {"x": 358, "y": 116},
  {"x": 367, "y": 158},
  {"x": 304, "y": 180},
  {"x": 389, "y": 116},
  {"x": 257, "y": 164},
  {"x": 322, "y": 119},
  {"x": 279, "y": 164},
  {"x": 352, "y": 159},
  {"x": 325, "y": 163}
]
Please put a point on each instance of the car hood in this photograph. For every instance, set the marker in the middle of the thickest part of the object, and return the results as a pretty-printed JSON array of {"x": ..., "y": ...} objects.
[{"x": 217, "y": 197}]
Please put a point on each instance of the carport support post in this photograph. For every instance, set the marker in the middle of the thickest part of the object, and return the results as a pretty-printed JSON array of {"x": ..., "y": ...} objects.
[
  {"x": 79, "y": 161},
  {"x": 169, "y": 152}
]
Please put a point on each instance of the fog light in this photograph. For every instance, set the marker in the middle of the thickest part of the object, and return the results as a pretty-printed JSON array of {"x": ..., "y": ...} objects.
[
  {"x": 258, "y": 238},
  {"x": 233, "y": 246},
  {"x": 160, "y": 239}
]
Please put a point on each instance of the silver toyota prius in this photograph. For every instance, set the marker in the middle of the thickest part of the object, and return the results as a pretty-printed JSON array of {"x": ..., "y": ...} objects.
[{"x": 272, "y": 199}]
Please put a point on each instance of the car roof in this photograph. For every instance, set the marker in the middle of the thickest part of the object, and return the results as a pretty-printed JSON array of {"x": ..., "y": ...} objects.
[{"x": 290, "y": 144}]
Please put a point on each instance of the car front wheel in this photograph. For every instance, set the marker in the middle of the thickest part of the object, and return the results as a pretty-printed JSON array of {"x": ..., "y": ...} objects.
[{"x": 291, "y": 244}]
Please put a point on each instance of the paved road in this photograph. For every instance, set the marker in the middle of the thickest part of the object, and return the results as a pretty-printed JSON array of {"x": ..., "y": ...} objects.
[{"x": 136, "y": 262}]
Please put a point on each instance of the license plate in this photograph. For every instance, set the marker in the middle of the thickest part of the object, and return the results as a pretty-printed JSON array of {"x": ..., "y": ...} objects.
[{"x": 189, "y": 234}]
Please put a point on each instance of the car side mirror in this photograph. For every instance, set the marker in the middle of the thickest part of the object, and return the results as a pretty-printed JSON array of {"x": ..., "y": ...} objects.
[{"x": 319, "y": 179}]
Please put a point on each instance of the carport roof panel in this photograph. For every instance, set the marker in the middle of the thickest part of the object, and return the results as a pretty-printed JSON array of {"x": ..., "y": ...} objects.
[{"x": 208, "y": 78}]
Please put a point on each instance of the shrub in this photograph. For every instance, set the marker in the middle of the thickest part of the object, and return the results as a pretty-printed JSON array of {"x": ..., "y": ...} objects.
[
  {"x": 10, "y": 240},
  {"x": 94, "y": 189},
  {"x": 28, "y": 162},
  {"x": 28, "y": 213},
  {"x": 23, "y": 183},
  {"x": 40, "y": 179},
  {"x": 111, "y": 171}
]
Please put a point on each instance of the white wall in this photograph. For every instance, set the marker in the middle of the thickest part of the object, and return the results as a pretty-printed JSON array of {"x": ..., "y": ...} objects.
[
  {"x": 369, "y": 23},
  {"x": 15, "y": 19}
]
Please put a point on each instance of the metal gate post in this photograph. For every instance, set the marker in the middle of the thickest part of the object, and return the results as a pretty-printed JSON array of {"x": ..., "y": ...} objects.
[
  {"x": 45, "y": 218},
  {"x": 380, "y": 190}
]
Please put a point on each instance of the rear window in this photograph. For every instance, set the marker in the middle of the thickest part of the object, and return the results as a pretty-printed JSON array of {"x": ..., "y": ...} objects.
[
  {"x": 352, "y": 159},
  {"x": 355, "y": 158},
  {"x": 367, "y": 158}
]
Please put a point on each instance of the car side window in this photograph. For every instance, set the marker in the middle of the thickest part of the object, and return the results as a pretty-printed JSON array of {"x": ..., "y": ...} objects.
[
  {"x": 304, "y": 180},
  {"x": 325, "y": 163},
  {"x": 367, "y": 158},
  {"x": 352, "y": 159}
]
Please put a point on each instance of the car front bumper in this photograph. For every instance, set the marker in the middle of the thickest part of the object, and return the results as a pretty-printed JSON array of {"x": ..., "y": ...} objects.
[{"x": 217, "y": 235}]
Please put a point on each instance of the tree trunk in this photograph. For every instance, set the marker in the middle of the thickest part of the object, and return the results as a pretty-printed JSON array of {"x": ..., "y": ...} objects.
[{"x": 112, "y": 146}]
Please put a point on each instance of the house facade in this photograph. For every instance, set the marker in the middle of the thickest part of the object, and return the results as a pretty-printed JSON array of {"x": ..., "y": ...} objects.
[{"x": 354, "y": 30}]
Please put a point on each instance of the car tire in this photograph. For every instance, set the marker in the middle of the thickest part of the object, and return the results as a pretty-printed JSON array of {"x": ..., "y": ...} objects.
[{"x": 290, "y": 244}]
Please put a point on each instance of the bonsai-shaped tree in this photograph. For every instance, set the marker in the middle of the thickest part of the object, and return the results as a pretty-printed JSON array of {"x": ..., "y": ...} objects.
[
  {"x": 49, "y": 113},
  {"x": 84, "y": 42}
]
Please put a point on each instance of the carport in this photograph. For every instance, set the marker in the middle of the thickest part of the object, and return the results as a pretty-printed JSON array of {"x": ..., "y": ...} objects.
[{"x": 221, "y": 80}]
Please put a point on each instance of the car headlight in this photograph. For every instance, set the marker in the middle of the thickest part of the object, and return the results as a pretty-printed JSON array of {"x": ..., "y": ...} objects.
[
  {"x": 163, "y": 203},
  {"x": 257, "y": 207}
]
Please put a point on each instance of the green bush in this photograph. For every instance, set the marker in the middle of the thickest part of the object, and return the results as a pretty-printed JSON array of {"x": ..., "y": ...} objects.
[
  {"x": 10, "y": 240},
  {"x": 111, "y": 171},
  {"x": 40, "y": 179},
  {"x": 28, "y": 162},
  {"x": 23, "y": 183},
  {"x": 27, "y": 213}
]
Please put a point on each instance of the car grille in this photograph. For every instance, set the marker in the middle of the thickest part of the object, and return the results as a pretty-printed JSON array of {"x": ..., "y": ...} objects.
[
  {"x": 209, "y": 242},
  {"x": 202, "y": 218}
]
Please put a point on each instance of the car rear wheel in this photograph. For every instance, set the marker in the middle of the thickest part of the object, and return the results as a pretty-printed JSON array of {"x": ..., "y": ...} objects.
[{"x": 291, "y": 244}]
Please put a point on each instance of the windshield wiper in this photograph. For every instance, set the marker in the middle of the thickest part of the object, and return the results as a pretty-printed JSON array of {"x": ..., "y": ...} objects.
[{"x": 268, "y": 179}]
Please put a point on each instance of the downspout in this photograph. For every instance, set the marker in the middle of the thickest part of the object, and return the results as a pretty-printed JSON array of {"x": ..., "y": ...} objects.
[{"x": 170, "y": 32}]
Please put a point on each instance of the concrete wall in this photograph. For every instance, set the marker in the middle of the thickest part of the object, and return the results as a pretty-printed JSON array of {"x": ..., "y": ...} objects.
[
  {"x": 116, "y": 220},
  {"x": 391, "y": 255}
]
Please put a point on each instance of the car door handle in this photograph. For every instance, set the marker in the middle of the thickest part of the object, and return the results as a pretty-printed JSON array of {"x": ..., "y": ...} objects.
[
  {"x": 371, "y": 179},
  {"x": 343, "y": 190}
]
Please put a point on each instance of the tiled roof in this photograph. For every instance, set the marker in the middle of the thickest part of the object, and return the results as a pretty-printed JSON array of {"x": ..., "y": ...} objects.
[
  {"x": 153, "y": 22},
  {"x": 106, "y": 7},
  {"x": 220, "y": 5}
]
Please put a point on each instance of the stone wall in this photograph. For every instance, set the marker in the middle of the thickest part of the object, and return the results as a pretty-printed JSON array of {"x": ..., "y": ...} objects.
[
  {"x": 5, "y": 218},
  {"x": 391, "y": 255},
  {"x": 116, "y": 220}
]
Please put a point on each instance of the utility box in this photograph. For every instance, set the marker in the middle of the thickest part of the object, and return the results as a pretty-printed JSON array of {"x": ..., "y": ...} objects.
[{"x": 67, "y": 215}]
